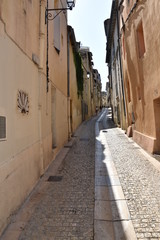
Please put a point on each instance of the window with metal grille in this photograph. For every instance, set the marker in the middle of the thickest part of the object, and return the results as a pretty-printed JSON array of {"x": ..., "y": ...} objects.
[{"x": 2, "y": 127}]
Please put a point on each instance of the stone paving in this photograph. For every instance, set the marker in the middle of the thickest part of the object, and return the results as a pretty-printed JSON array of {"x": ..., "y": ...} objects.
[
  {"x": 140, "y": 181},
  {"x": 65, "y": 206},
  {"x": 112, "y": 218}
]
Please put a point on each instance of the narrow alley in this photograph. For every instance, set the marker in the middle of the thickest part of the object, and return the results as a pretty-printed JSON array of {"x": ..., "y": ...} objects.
[
  {"x": 101, "y": 186},
  {"x": 79, "y": 120}
]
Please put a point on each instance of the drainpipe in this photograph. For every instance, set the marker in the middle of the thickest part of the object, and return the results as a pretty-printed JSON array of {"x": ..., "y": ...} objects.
[
  {"x": 40, "y": 72},
  {"x": 68, "y": 66},
  {"x": 68, "y": 84},
  {"x": 47, "y": 67}
]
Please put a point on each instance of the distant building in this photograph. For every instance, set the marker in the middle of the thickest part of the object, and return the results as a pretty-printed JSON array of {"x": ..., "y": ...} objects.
[
  {"x": 87, "y": 99},
  {"x": 104, "y": 99},
  {"x": 97, "y": 88}
]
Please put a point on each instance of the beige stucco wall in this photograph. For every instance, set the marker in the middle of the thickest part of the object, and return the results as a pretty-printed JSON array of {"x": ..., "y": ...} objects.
[
  {"x": 44, "y": 121},
  {"x": 61, "y": 121},
  {"x": 142, "y": 74},
  {"x": 18, "y": 175},
  {"x": 58, "y": 78},
  {"x": 28, "y": 148},
  {"x": 22, "y": 130},
  {"x": 20, "y": 164},
  {"x": 21, "y": 23}
]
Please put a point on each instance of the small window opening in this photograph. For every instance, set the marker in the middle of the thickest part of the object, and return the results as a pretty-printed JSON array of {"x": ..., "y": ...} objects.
[
  {"x": 2, "y": 127},
  {"x": 140, "y": 38}
]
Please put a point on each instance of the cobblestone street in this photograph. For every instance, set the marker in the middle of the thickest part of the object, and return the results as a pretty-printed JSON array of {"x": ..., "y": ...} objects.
[
  {"x": 140, "y": 181},
  {"x": 63, "y": 206}
]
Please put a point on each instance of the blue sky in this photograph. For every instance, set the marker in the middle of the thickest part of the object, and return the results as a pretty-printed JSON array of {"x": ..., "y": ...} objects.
[{"x": 87, "y": 19}]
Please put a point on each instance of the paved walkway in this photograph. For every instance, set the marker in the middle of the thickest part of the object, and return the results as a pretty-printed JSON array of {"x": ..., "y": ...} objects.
[
  {"x": 62, "y": 208},
  {"x": 139, "y": 176},
  {"x": 111, "y": 195},
  {"x": 112, "y": 219}
]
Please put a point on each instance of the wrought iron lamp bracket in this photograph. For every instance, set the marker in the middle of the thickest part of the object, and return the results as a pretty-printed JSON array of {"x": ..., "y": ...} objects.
[{"x": 49, "y": 13}]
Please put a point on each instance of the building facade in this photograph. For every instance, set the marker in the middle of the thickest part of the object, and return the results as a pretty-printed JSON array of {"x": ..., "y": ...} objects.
[
  {"x": 34, "y": 115},
  {"x": 141, "y": 50},
  {"x": 104, "y": 97},
  {"x": 42, "y": 101},
  {"x": 131, "y": 27},
  {"x": 74, "y": 87},
  {"x": 87, "y": 99},
  {"x": 21, "y": 161},
  {"x": 97, "y": 90}
]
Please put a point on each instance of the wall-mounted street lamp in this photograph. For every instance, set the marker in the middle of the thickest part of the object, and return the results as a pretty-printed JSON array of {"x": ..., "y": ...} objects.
[
  {"x": 49, "y": 12},
  {"x": 88, "y": 75},
  {"x": 87, "y": 72},
  {"x": 50, "y": 16}
]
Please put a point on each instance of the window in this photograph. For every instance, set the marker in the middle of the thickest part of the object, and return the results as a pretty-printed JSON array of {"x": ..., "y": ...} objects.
[
  {"x": 156, "y": 123},
  {"x": 140, "y": 39},
  {"x": 2, "y": 127}
]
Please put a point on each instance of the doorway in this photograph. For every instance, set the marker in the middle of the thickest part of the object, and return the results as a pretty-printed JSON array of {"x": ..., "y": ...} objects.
[{"x": 157, "y": 125}]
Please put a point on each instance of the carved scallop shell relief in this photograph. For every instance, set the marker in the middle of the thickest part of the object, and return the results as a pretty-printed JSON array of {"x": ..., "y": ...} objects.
[{"x": 23, "y": 102}]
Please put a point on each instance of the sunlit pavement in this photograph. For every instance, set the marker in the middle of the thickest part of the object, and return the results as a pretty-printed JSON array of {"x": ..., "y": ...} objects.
[
  {"x": 112, "y": 219},
  {"x": 130, "y": 183}
]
